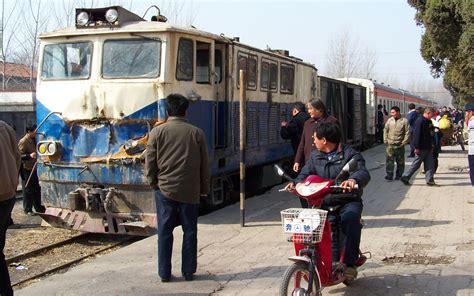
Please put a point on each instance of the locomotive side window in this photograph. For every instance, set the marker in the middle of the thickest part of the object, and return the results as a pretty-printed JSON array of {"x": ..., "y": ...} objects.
[
  {"x": 136, "y": 58},
  {"x": 264, "y": 75},
  {"x": 185, "y": 60},
  {"x": 65, "y": 61},
  {"x": 287, "y": 78},
  {"x": 242, "y": 65},
  {"x": 268, "y": 75},
  {"x": 202, "y": 62},
  {"x": 252, "y": 73},
  {"x": 273, "y": 77},
  {"x": 218, "y": 65},
  {"x": 248, "y": 63}
]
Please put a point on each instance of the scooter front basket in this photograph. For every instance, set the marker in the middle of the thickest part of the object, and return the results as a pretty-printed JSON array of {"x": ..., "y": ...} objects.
[{"x": 303, "y": 226}]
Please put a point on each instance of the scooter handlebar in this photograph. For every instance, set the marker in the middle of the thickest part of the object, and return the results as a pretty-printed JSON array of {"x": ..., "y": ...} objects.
[{"x": 339, "y": 187}]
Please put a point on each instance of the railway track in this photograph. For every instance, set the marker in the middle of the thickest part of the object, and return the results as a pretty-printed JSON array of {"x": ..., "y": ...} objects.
[{"x": 61, "y": 255}]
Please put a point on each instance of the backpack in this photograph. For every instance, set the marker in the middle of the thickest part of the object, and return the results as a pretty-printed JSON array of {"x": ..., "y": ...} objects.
[{"x": 444, "y": 122}]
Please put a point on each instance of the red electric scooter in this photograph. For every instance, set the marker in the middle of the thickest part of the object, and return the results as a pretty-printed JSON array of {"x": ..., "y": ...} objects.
[{"x": 310, "y": 232}]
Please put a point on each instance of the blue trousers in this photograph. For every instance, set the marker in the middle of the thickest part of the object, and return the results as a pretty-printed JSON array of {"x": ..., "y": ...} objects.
[
  {"x": 6, "y": 208},
  {"x": 346, "y": 219},
  {"x": 169, "y": 212},
  {"x": 426, "y": 156}
]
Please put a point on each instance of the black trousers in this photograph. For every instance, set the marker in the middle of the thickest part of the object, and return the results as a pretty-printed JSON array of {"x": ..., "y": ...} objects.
[
  {"x": 471, "y": 168},
  {"x": 6, "y": 208},
  {"x": 32, "y": 194}
]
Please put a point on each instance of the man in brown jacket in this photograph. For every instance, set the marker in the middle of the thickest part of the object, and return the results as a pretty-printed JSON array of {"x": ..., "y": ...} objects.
[
  {"x": 177, "y": 168},
  {"x": 32, "y": 194},
  {"x": 9, "y": 167}
]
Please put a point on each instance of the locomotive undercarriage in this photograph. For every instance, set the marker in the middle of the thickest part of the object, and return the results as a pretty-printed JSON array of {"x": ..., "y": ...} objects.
[{"x": 96, "y": 209}]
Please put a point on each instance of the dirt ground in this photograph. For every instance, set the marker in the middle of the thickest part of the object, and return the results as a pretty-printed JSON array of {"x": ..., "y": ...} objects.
[{"x": 27, "y": 234}]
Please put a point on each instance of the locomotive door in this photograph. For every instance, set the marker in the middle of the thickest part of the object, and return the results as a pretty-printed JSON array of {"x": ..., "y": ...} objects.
[{"x": 221, "y": 106}]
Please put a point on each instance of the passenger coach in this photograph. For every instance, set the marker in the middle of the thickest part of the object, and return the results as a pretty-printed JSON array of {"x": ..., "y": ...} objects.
[{"x": 101, "y": 90}]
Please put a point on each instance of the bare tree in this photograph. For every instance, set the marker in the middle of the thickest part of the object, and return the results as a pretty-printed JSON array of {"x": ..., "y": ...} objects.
[
  {"x": 347, "y": 57},
  {"x": 8, "y": 24},
  {"x": 34, "y": 22}
]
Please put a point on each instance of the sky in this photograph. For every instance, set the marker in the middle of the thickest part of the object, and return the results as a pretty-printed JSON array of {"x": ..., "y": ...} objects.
[{"x": 306, "y": 28}]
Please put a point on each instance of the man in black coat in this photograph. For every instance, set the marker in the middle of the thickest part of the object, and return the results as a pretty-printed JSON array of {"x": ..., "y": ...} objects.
[
  {"x": 292, "y": 130},
  {"x": 423, "y": 141},
  {"x": 327, "y": 162}
]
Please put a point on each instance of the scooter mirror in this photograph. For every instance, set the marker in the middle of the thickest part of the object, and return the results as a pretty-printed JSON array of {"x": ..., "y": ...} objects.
[
  {"x": 280, "y": 172},
  {"x": 350, "y": 166}
]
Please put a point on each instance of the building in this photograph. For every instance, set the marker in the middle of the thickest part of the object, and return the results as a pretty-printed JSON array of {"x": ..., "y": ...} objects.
[{"x": 17, "y": 100}]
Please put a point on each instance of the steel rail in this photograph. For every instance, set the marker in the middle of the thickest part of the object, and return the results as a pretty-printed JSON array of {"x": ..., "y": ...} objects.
[{"x": 72, "y": 262}]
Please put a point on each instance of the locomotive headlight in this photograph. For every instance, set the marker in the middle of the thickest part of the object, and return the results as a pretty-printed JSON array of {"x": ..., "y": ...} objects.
[
  {"x": 82, "y": 18},
  {"x": 52, "y": 148},
  {"x": 42, "y": 148},
  {"x": 111, "y": 15}
]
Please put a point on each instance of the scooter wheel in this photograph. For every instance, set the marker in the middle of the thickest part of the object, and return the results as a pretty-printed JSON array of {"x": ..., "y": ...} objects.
[{"x": 295, "y": 281}]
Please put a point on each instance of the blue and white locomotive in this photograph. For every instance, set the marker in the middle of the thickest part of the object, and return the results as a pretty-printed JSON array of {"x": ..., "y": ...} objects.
[{"x": 101, "y": 89}]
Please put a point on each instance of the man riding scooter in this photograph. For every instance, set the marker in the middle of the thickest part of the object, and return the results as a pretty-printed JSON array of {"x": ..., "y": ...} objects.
[{"x": 345, "y": 209}]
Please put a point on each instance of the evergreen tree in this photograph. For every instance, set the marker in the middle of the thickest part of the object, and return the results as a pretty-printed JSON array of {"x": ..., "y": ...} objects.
[{"x": 448, "y": 43}]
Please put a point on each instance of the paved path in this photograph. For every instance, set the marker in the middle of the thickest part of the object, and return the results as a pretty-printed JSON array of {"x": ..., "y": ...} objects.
[{"x": 421, "y": 239}]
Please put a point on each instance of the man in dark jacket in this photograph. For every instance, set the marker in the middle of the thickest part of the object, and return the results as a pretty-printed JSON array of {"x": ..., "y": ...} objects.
[
  {"x": 412, "y": 115},
  {"x": 292, "y": 130},
  {"x": 381, "y": 112},
  {"x": 423, "y": 142},
  {"x": 177, "y": 167},
  {"x": 327, "y": 162},
  {"x": 9, "y": 167}
]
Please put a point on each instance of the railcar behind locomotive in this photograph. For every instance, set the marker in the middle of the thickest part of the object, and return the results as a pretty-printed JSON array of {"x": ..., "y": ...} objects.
[
  {"x": 102, "y": 87},
  {"x": 381, "y": 94}
]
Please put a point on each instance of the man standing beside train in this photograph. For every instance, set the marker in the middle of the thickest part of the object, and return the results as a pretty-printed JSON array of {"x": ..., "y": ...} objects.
[
  {"x": 317, "y": 111},
  {"x": 381, "y": 112},
  {"x": 9, "y": 167},
  {"x": 177, "y": 168},
  {"x": 396, "y": 134},
  {"x": 294, "y": 129},
  {"x": 32, "y": 194}
]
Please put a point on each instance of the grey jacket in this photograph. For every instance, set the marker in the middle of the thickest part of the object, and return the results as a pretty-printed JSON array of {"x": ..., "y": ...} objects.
[
  {"x": 177, "y": 161},
  {"x": 9, "y": 162}
]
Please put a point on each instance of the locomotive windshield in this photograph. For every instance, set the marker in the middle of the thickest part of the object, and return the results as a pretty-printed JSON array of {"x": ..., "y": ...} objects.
[
  {"x": 137, "y": 58},
  {"x": 65, "y": 61}
]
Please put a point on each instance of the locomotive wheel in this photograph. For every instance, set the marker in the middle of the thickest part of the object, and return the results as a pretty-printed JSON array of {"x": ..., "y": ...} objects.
[{"x": 295, "y": 281}]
